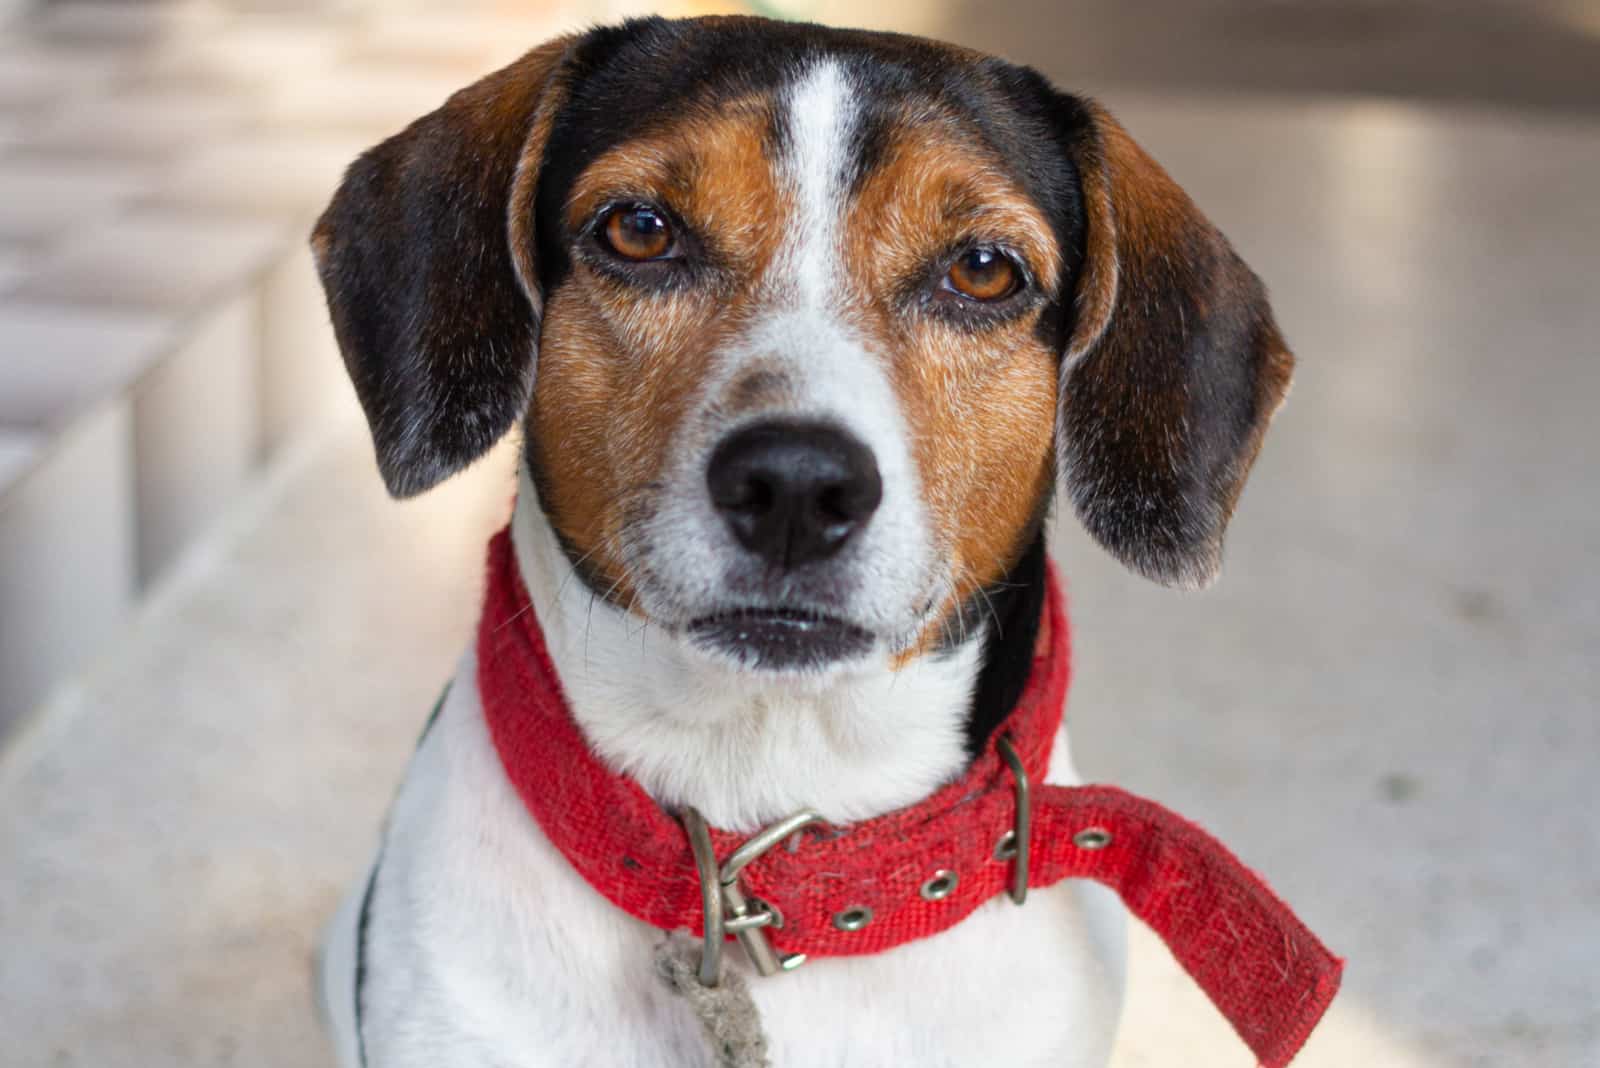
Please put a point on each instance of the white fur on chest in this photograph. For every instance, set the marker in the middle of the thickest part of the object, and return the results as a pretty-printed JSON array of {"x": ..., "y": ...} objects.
[{"x": 486, "y": 948}]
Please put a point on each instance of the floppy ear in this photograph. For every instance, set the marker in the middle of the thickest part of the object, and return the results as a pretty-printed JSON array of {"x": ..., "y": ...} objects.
[
  {"x": 1173, "y": 368},
  {"x": 429, "y": 272}
]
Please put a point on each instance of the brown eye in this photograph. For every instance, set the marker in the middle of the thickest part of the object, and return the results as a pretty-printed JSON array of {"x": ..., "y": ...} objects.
[
  {"x": 637, "y": 233},
  {"x": 984, "y": 274}
]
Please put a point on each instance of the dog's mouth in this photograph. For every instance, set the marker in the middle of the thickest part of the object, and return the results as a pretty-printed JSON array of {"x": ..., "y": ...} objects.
[{"x": 780, "y": 639}]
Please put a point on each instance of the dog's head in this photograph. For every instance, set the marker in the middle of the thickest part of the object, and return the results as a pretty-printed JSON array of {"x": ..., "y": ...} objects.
[{"x": 804, "y": 324}]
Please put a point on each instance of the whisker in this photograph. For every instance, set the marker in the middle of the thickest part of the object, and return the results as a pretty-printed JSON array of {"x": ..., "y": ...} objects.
[
  {"x": 573, "y": 571},
  {"x": 513, "y": 617}
]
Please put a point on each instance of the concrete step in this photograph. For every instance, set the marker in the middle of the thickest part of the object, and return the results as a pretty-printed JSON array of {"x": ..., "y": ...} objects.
[{"x": 162, "y": 332}]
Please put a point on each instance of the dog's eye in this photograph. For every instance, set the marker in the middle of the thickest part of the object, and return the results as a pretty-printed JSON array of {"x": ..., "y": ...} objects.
[
  {"x": 637, "y": 232},
  {"x": 984, "y": 274}
]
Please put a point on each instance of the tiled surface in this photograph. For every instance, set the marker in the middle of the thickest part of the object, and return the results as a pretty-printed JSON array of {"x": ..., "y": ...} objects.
[
  {"x": 91, "y": 23},
  {"x": 10, "y": 130},
  {"x": 12, "y": 265},
  {"x": 1388, "y": 705},
  {"x": 284, "y": 172},
  {"x": 265, "y": 42},
  {"x": 66, "y": 559},
  {"x": 146, "y": 215},
  {"x": 142, "y": 171},
  {"x": 18, "y": 449},
  {"x": 161, "y": 259},
  {"x": 142, "y": 123},
  {"x": 374, "y": 98},
  {"x": 302, "y": 377},
  {"x": 478, "y": 39},
  {"x": 36, "y": 77},
  {"x": 179, "y": 931},
  {"x": 196, "y": 431},
  {"x": 40, "y": 200},
  {"x": 60, "y": 359}
]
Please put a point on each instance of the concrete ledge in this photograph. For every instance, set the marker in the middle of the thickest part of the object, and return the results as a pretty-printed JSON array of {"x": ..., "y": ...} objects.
[
  {"x": 196, "y": 431},
  {"x": 40, "y": 200},
  {"x": 61, "y": 359},
  {"x": 67, "y": 575},
  {"x": 302, "y": 374},
  {"x": 163, "y": 260}
]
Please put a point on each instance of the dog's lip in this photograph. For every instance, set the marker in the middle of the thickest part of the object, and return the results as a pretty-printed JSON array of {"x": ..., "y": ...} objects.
[
  {"x": 799, "y": 618},
  {"x": 781, "y": 638}
]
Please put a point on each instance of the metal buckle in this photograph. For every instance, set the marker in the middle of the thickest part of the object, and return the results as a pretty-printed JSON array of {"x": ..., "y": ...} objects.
[
  {"x": 1019, "y": 836},
  {"x": 726, "y": 908}
]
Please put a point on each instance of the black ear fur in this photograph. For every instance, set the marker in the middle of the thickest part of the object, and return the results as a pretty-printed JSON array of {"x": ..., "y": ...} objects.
[
  {"x": 437, "y": 329},
  {"x": 1173, "y": 367}
]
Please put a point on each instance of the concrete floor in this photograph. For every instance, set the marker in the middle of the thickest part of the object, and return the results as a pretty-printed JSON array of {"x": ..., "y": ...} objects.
[{"x": 1390, "y": 705}]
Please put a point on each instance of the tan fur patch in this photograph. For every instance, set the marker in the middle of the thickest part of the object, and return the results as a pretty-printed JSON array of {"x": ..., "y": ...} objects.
[
  {"x": 980, "y": 400},
  {"x": 618, "y": 365}
]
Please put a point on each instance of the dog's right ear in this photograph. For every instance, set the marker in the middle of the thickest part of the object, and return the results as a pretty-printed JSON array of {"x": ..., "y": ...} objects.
[
  {"x": 426, "y": 256},
  {"x": 1174, "y": 366}
]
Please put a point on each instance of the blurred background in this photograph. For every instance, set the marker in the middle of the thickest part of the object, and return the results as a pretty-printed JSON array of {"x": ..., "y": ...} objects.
[{"x": 218, "y": 638}]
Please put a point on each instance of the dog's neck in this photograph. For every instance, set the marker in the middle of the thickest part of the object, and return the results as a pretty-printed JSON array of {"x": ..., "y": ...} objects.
[{"x": 743, "y": 752}]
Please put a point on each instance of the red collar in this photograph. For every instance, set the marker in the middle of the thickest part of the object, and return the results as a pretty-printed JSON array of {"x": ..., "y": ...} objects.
[{"x": 1260, "y": 966}]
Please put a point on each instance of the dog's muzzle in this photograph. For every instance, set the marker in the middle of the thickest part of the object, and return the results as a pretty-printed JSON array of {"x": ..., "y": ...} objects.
[{"x": 792, "y": 494}]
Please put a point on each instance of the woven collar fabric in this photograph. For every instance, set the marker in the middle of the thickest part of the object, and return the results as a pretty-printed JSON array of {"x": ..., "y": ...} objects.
[{"x": 1260, "y": 966}]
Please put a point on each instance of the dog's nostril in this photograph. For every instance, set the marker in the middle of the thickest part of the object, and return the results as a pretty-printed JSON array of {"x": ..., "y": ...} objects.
[
  {"x": 793, "y": 493},
  {"x": 753, "y": 494},
  {"x": 849, "y": 501},
  {"x": 830, "y": 506}
]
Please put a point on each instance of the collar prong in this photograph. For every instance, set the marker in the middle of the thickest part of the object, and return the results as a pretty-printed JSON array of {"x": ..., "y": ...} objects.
[
  {"x": 1023, "y": 825},
  {"x": 705, "y": 864}
]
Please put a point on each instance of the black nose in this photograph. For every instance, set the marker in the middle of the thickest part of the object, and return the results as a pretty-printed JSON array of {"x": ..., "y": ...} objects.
[{"x": 793, "y": 493}]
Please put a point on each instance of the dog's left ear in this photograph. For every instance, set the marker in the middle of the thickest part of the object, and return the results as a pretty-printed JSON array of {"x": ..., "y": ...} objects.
[
  {"x": 426, "y": 257},
  {"x": 1173, "y": 367}
]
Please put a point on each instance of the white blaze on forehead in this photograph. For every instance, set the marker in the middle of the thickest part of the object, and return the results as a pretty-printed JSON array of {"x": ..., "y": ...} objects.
[
  {"x": 821, "y": 115},
  {"x": 833, "y": 373}
]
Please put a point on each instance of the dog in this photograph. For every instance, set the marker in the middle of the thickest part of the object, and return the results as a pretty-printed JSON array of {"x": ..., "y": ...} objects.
[{"x": 805, "y": 328}]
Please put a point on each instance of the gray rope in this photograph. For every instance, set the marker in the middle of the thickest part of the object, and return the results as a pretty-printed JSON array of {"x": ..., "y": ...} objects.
[{"x": 727, "y": 1014}]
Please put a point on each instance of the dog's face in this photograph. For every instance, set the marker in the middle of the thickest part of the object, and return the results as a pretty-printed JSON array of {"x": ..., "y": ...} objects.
[
  {"x": 804, "y": 323},
  {"x": 796, "y": 385}
]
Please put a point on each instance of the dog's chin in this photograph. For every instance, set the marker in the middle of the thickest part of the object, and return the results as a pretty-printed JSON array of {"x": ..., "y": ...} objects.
[{"x": 780, "y": 642}]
